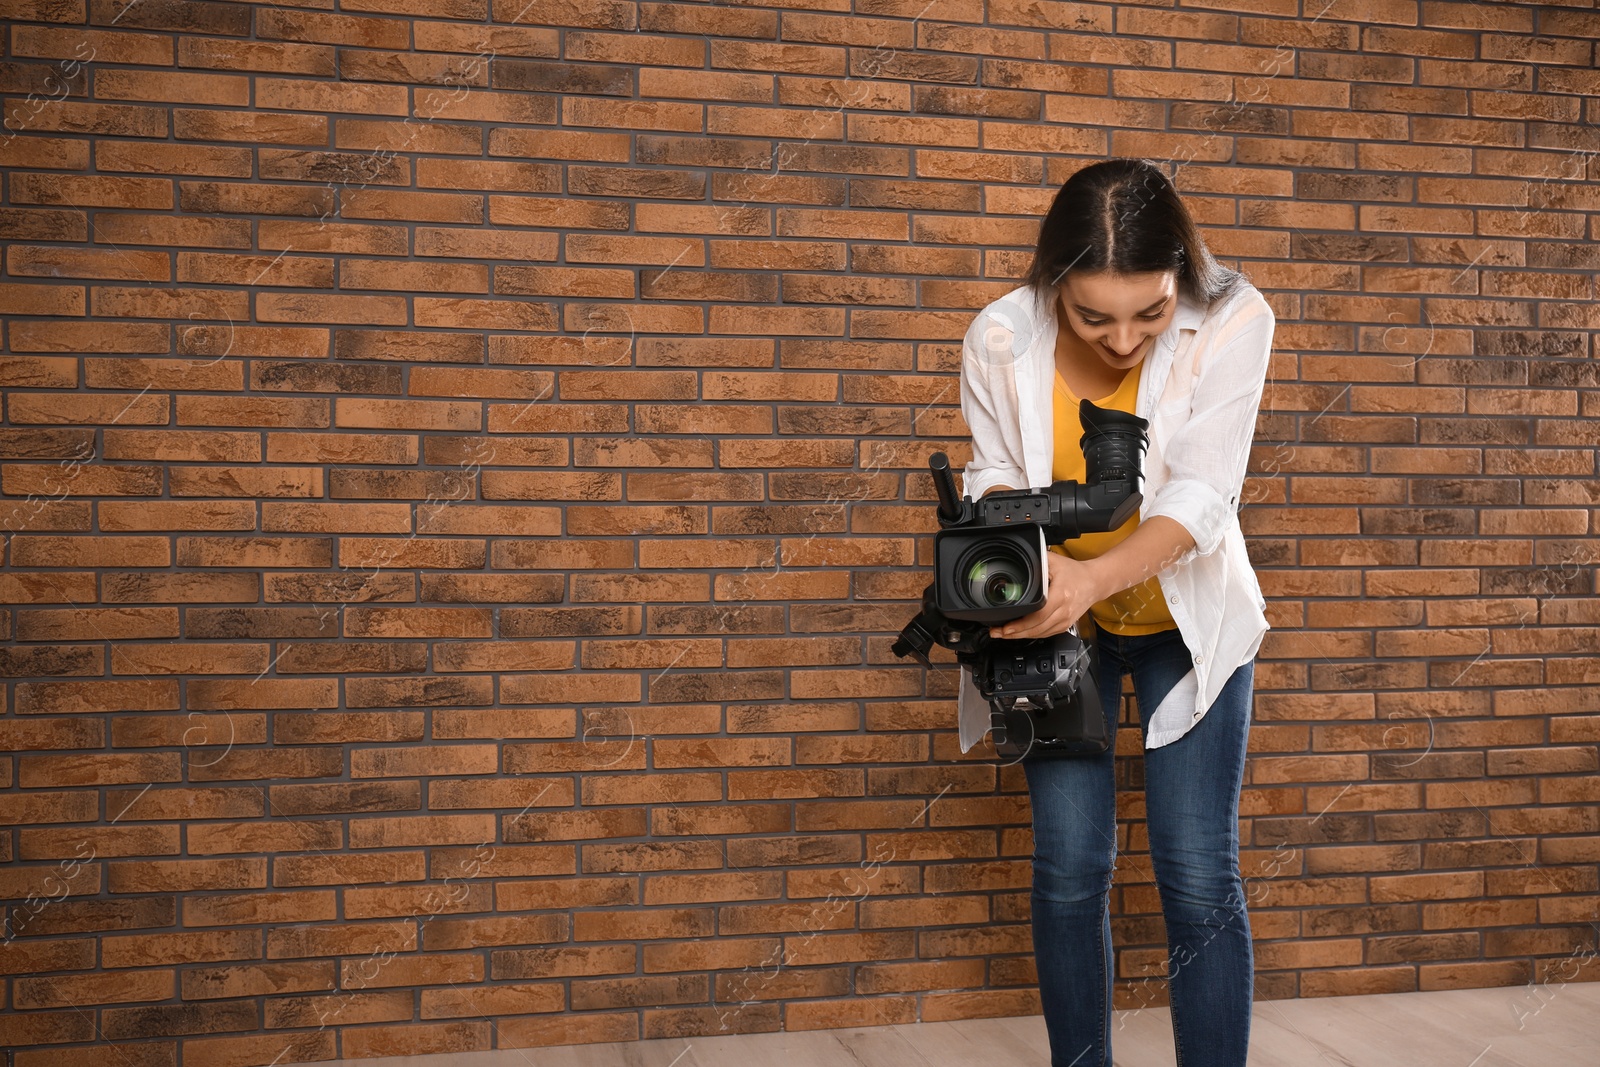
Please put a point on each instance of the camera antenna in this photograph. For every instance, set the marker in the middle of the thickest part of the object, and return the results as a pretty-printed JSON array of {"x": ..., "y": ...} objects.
[{"x": 945, "y": 484}]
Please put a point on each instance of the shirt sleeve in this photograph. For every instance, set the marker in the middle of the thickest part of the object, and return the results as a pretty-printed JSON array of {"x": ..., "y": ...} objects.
[
  {"x": 993, "y": 462},
  {"x": 1208, "y": 453}
]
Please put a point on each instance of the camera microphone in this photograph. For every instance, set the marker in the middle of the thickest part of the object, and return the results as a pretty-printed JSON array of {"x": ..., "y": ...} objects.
[{"x": 944, "y": 483}]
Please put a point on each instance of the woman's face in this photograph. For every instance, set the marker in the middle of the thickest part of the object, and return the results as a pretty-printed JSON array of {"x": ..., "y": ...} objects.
[{"x": 1118, "y": 316}]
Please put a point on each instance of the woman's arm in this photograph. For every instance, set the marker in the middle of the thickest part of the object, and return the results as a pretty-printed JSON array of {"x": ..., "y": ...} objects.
[
  {"x": 1077, "y": 584},
  {"x": 1209, "y": 451},
  {"x": 1155, "y": 544},
  {"x": 993, "y": 465}
]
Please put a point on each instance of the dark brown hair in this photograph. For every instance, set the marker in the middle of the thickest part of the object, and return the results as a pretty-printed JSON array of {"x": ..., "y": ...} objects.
[{"x": 1125, "y": 216}]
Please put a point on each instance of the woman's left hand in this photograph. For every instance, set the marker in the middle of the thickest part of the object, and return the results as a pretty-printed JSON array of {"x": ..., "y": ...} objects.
[{"x": 1074, "y": 588}]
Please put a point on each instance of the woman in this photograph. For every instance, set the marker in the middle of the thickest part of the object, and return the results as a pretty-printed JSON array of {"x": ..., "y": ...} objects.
[{"x": 1157, "y": 327}]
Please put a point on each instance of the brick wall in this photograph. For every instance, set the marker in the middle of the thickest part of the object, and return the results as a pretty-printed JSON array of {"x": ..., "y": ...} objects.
[{"x": 465, "y": 467}]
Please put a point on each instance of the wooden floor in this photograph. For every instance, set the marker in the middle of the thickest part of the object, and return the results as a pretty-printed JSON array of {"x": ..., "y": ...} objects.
[{"x": 1560, "y": 1027}]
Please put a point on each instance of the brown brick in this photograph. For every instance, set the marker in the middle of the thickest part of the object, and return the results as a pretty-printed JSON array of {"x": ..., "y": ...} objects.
[
  {"x": 637, "y": 992},
  {"x": 829, "y": 1014},
  {"x": 924, "y": 912},
  {"x": 478, "y": 930},
  {"x": 617, "y": 789},
  {"x": 517, "y": 896},
  {"x": 220, "y": 909},
  {"x": 621, "y": 753},
  {"x": 561, "y": 961},
  {"x": 415, "y": 1039},
  {"x": 193, "y": 946},
  {"x": 719, "y": 821},
  {"x": 32, "y": 994},
  {"x": 1473, "y": 975},
  {"x": 797, "y": 783},
  {"x": 1358, "y": 981},
  {"x": 781, "y": 984},
  {"x": 642, "y": 925},
  {"x": 516, "y": 999},
  {"x": 338, "y": 1009},
  {"x": 950, "y": 1006},
  {"x": 701, "y": 888},
  {"x": 797, "y": 716},
  {"x": 184, "y": 875},
  {"x": 833, "y": 883},
  {"x": 162, "y": 1020},
  {"x": 916, "y": 977},
  {"x": 764, "y": 919},
  {"x": 983, "y": 941},
  {"x": 724, "y": 953},
  {"x": 247, "y": 980},
  {"x": 568, "y": 826},
  {"x": 743, "y": 1018},
  {"x": 732, "y": 752},
  {"x": 682, "y": 855},
  {"x": 412, "y": 969}
]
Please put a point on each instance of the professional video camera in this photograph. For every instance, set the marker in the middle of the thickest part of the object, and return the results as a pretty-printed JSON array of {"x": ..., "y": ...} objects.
[{"x": 989, "y": 568}]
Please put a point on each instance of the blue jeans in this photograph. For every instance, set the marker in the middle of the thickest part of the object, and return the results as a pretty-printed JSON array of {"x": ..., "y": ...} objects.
[{"x": 1192, "y": 806}]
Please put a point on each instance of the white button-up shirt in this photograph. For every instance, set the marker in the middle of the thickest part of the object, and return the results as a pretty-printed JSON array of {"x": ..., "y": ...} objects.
[{"x": 1200, "y": 389}]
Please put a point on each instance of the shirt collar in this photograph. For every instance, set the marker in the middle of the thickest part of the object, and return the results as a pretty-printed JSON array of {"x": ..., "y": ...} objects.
[{"x": 1189, "y": 315}]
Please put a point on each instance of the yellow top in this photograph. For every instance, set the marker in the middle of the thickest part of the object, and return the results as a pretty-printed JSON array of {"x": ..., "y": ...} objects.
[{"x": 1136, "y": 610}]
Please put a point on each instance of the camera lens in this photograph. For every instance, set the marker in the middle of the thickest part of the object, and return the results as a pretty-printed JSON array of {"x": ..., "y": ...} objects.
[
  {"x": 988, "y": 575},
  {"x": 996, "y": 581}
]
